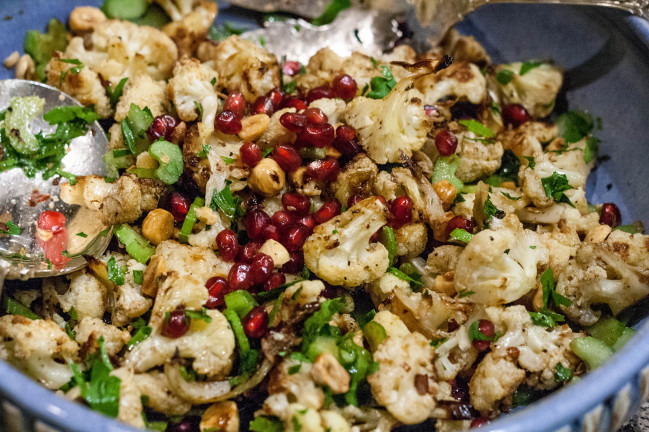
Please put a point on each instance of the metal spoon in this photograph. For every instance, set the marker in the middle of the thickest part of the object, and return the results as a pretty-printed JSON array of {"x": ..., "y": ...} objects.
[{"x": 20, "y": 257}]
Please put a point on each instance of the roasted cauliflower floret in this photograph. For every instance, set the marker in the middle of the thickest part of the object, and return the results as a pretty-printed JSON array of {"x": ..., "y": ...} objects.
[
  {"x": 356, "y": 178},
  {"x": 334, "y": 109},
  {"x": 160, "y": 398},
  {"x": 129, "y": 303},
  {"x": 404, "y": 383},
  {"x": 40, "y": 348},
  {"x": 499, "y": 266},
  {"x": 339, "y": 251},
  {"x": 443, "y": 259},
  {"x": 461, "y": 80},
  {"x": 192, "y": 85},
  {"x": 89, "y": 330},
  {"x": 477, "y": 159},
  {"x": 176, "y": 8},
  {"x": 495, "y": 378},
  {"x": 86, "y": 294},
  {"x": 130, "y": 398},
  {"x": 142, "y": 91},
  {"x": 321, "y": 69},
  {"x": 412, "y": 182},
  {"x": 190, "y": 28},
  {"x": 411, "y": 239},
  {"x": 527, "y": 139}
]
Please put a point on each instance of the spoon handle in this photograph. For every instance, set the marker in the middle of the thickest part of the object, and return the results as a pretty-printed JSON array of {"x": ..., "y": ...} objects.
[{"x": 636, "y": 7}]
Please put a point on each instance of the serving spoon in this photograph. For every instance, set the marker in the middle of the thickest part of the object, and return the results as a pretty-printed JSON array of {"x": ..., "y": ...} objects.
[{"x": 23, "y": 198}]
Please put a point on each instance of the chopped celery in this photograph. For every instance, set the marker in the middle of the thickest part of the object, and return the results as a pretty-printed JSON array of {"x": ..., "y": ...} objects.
[
  {"x": 608, "y": 330},
  {"x": 14, "y": 307},
  {"x": 190, "y": 220},
  {"x": 626, "y": 335},
  {"x": 389, "y": 241},
  {"x": 170, "y": 158},
  {"x": 136, "y": 245},
  {"x": 374, "y": 334},
  {"x": 445, "y": 168},
  {"x": 41, "y": 46},
  {"x": 240, "y": 301},
  {"x": 18, "y": 123},
  {"x": 591, "y": 350},
  {"x": 125, "y": 9},
  {"x": 154, "y": 16},
  {"x": 322, "y": 344}
]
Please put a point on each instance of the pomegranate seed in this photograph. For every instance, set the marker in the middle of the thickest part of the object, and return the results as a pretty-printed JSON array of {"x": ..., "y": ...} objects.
[
  {"x": 291, "y": 68},
  {"x": 276, "y": 97},
  {"x": 275, "y": 280},
  {"x": 248, "y": 252},
  {"x": 262, "y": 105},
  {"x": 610, "y": 215},
  {"x": 161, "y": 127},
  {"x": 315, "y": 115},
  {"x": 401, "y": 208},
  {"x": 453, "y": 325},
  {"x": 308, "y": 221},
  {"x": 295, "y": 236},
  {"x": 328, "y": 210},
  {"x": 446, "y": 142},
  {"x": 344, "y": 87},
  {"x": 346, "y": 141},
  {"x": 515, "y": 115},
  {"x": 255, "y": 323},
  {"x": 319, "y": 93},
  {"x": 431, "y": 110},
  {"x": 485, "y": 327},
  {"x": 236, "y": 103},
  {"x": 250, "y": 153},
  {"x": 217, "y": 288},
  {"x": 479, "y": 422},
  {"x": 293, "y": 122},
  {"x": 51, "y": 221},
  {"x": 459, "y": 222},
  {"x": 282, "y": 218},
  {"x": 345, "y": 132},
  {"x": 287, "y": 157},
  {"x": 228, "y": 123},
  {"x": 481, "y": 345},
  {"x": 53, "y": 246},
  {"x": 296, "y": 202},
  {"x": 460, "y": 390},
  {"x": 179, "y": 206},
  {"x": 182, "y": 426},
  {"x": 293, "y": 102},
  {"x": 317, "y": 135},
  {"x": 261, "y": 268},
  {"x": 323, "y": 169},
  {"x": 329, "y": 292},
  {"x": 177, "y": 324},
  {"x": 295, "y": 263},
  {"x": 271, "y": 232},
  {"x": 353, "y": 200},
  {"x": 375, "y": 237},
  {"x": 382, "y": 199},
  {"x": 228, "y": 245},
  {"x": 255, "y": 222},
  {"x": 239, "y": 277}
]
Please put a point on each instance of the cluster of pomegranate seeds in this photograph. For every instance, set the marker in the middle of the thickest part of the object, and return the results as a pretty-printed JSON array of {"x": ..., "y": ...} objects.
[
  {"x": 329, "y": 209},
  {"x": 275, "y": 280},
  {"x": 401, "y": 208},
  {"x": 446, "y": 142},
  {"x": 228, "y": 123},
  {"x": 459, "y": 222},
  {"x": 179, "y": 206},
  {"x": 163, "y": 126},
  {"x": 321, "y": 92},
  {"x": 217, "y": 288},
  {"x": 344, "y": 87},
  {"x": 228, "y": 245},
  {"x": 515, "y": 115},
  {"x": 177, "y": 324},
  {"x": 487, "y": 328},
  {"x": 287, "y": 157},
  {"x": 291, "y": 68},
  {"x": 250, "y": 154},
  {"x": 293, "y": 201},
  {"x": 326, "y": 169},
  {"x": 610, "y": 215},
  {"x": 236, "y": 103},
  {"x": 255, "y": 323}
]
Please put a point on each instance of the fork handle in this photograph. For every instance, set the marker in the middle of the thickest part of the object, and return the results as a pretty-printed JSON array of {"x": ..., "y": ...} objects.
[{"x": 636, "y": 7}]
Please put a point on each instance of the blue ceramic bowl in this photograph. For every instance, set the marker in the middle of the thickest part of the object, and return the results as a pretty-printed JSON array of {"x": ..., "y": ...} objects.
[{"x": 606, "y": 57}]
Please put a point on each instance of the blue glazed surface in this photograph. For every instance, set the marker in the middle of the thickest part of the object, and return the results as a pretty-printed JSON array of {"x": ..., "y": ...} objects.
[{"x": 605, "y": 54}]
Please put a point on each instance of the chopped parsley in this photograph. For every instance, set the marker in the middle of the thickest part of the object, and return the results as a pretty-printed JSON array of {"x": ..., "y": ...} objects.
[
  {"x": 460, "y": 235},
  {"x": 511, "y": 197},
  {"x": 116, "y": 273},
  {"x": 549, "y": 291},
  {"x": 504, "y": 76},
  {"x": 555, "y": 186},
  {"x": 591, "y": 149},
  {"x": 574, "y": 125},
  {"x": 199, "y": 107},
  {"x": 294, "y": 369},
  {"x": 198, "y": 315},
  {"x": 530, "y": 161},
  {"x": 203, "y": 153},
  {"x": 528, "y": 66},
  {"x": 266, "y": 424},
  {"x": 14, "y": 307},
  {"x": 331, "y": 12},
  {"x": 382, "y": 85},
  {"x": 12, "y": 229},
  {"x": 477, "y": 128},
  {"x": 476, "y": 334},
  {"x": 229, "y": 204},
  {"x": 116, "y": 94},
  {"x": 142, "y": 331},
  {"x": 401, "y": 275},
  {"x": 490, "y": 211},
  {"x": 437, "y": 342},
  {"x": 562, "y": 373},
  {"x": 466, "y": 293}
]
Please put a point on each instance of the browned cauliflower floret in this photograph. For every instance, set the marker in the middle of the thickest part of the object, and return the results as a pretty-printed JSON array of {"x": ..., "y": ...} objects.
[
  {"x": 340, "y": 252},
  {"x": 160, "y": 398},
  {"x": 356, "y": 178},
  {"x": 40, "y": 348},
  {"x": 411, "y": 239},
  {"x": 461, "y": 80},
  {"x": 192, "y": 85},
  {"x": 128, "y": 301},
  {"x": 190, "y": 28},
  {"x": 464, "y": 48},
  {"x": 276, "y": 134},
  {"x": 443, "y": 259},
  {"x": 425, "y": 200},
  {"x": 321, "y": 69},
  {"x": 334, "y": 109},
  {"x": 496, "y": 377},
  {"x": 89, "y": 330},
  {"x": 176, "y": 9},
  {"x": 527, "y": 139},
  {"x": 86, "y": 294},
  {"x": 142, "y": 91},
  {"x": 477, "y": 159},
  {"x": 130, "y": 398}
]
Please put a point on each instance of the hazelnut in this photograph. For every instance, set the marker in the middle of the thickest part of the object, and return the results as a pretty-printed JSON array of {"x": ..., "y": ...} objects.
[{"x": 267, "y": 178}]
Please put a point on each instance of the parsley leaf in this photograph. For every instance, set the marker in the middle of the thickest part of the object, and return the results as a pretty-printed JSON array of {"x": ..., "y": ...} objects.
[
  {"x": 14, "y": 307},
  {"x": 266, "y": 424},
  {"x": 504, "y": 76},
  {"x": 465, "y": 293},
  {"x": 115, "y": 94},
  {"x": 547, "y": 282},
  {"x": 574, "y": 125},
  {"x": 477, "y": 128},
  {"x": 199, "y": 107},
  {"x": 12, "y": 229},
  {"x": 68, "y": 113},
  {"x": 401, "y": 275},
  {"x": 530, "y": 161},
  {"x": 229, "y": 204},
  {"x": 142, "y": 331},
  {"x": 476, "y": 334},
  {"x": 528, "y": 66},
  {"x": 490, "y": 210},
  {"x": 294, "y": 369},
  {"x": 116, "y": 273},
  {"x": 381, "y": 86},
  {"x": 198, "y": 315},
  {"x": 460, "y": 235},
  {"x": 331, "y": 12},
  {"x": 555, "y": 186},
  {"x": 511, "y": 197},
  {"x": 592, "y": 146},
  {"x": 546, "y": 318},
  {"x": 203, "y": 153},
  {"x": 562, "y": 373}
]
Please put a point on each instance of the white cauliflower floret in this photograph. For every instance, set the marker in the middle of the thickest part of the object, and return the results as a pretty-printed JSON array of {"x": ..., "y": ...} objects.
[
  {"x": 461, "y": 80},
  {"x": 244, "y": 65},
  {"x": 87, "y": 295},
  {"x": 443, "y": 259},
  {"x": 160, "y": 398},
  {"x": 129, "y": 303},
  {"x": 411, "y": 239},
  {"x": 383, "y": 287},
  {"x": 89, "y": 330},
  {"x": 334, "y": 109},
  {"x": 296, "y": 386},
  {"x": 632, "y": 248},
  {"x": 404, "y": 383},
  {"x": 321, "y": 69},
  {"x": 40, "y": 348},
  {"x": 190, "y": 29},
  {"x": 191, "y": 85},
  {"x": 142, "y": 91},
  {"x": 130, "y": 398},
  {"x": 496, "y": 377},
  {"x": 536, "y": 90},
  {"x": 394, "y": 327},
  {"x": 356, "y": 178},
  {"x": 500, "y": 266},
  {"x": 176, "y": 8},
  {"x": 455, "y": 352},
  {"x": 339, "y": 251},
  {"x": 477, "y": 159}
]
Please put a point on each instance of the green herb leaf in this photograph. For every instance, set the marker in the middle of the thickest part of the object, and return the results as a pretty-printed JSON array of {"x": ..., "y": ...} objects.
[
  {"x": 549, "y": 291},
  {"x": 41, "y": 46},
  {"x": 14, "y": 307},
  {"x": 477, "y": 128},
  {"x": 206, "y": 150},
  {"x": 465, "y": 293},
  {"x": 294, "y": 369},
  {"x": 511, "y": 197},
  {"x": 631, "y": 229},
  {"x": 266, "y": 152},
  {"x": 445, "y": 168},
  {"x": 530, "y": 161},
  {"x": 381, "y": 86},
  {"x": 555, "y": 186},
  {"x": 546, "y": 318},
  {"x": 115, "y": 272},
  {"x": 401, "y": 275},
  {"x": 223, "y": 31},
  {"x": 138, "y": 276},
  {"x": 229, "y": 204},
  {"x": 562, "y": 373},
  {"x": 12, "y": 229},
  {"x": 227, "y": 160},
  {"x": 266, "y": 424},
  {"x": 476, "y": 334},
  {"x": 528, "y": 66},
  {"x": 199, "y": 107},
  {"x": 82, "y": 234},
  {"x": 460, "y": 235},
  {"x": 504, "y": 76},
  {"x": 69, "y": 113},
  {"x": 116, "y": 94},
  {"x": 331, "y": 12},
  {"x": 74, "y": 315},
  {"x": 71, "y": 333},
  {"x": 142, "y": 331},
  {"x": 490, "y": 210},
  {"x": 592, "y": 147},
  {"x": 574, "y": 125}
]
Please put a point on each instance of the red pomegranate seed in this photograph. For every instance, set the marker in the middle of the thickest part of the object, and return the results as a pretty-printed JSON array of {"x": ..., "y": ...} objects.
[
  {"x": 315, "y": 115},
  {"x": 308, "y": 221},
  {"x": 485, "y": 327},
  {"x": 261, "y": 268},
  {"x": 515, "y": 115},
  {"x": 179, "y": 206},
  {"x": 228, "y": 245},
  {"x": 236, "y": 103},
  {"x": 329, "y": 292},
  {"x": 328, "y": 210},
  {"x": 271, "y": 232},
  {"x": 161, "y": 127},
  {"x": 250, "y": 153},
  {"x": 255, "y": 222},
  {"x": 401, "y": 208},
  {"x": 295, "y": 236},
  {"x": 354, "y": 199},
  {"x": 459, "y": 222},
  {"x": 295, "y": 263},
  {"x": 291, "y": 68},
  {"x": 287, "y": 157},
  {"x": 53, "y": 239},
  {"x": 293, "y": 122},
  {"x": 345, "y": 132},
  {"x": 262, "y": 105},
  {"x": 248, "y": 252},
  {"x": 228, "y": 123},
  {"x": 51, "y": 221},
  {"x": 479, "y": 422},
  {"x": 275, "y": 280},
  {"x": 323, "y": 169},
  {"x": 255, "y": 323},
  {"x": 217, "y": 288},
  {"x": 177, "y": 324},
  {"x": 182, "y": 426},
  {"x": 319, "y": 93},
  {"x": 382, "y": 199},
  {"x": 446, "y": 142},
  {"x": 276, "y": 97},
  {"x": 375, "y": 237},
  {"x": 293, "y": 102},
  {"x": 293, "y": 201},
  {"x": 344, "y": 87},
  {"x": 282, "y": 218},
  {"x": 453, "y": 325},
  {"x": 346, "y": 141},
  {"x": 239, "y": 277},
  {"x": 317, "y": 135},
  {"x": 481, "y": 345},
  {"x": 610, "y": 215}
]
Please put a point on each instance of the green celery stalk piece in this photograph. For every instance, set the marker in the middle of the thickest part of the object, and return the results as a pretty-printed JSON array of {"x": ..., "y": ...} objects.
[
  {"x": 190, "y": 220},
  {"x": 591, "y": 350},
  {"x": 322, "y": 344},
  {"x": 445, "y": 168},
  {"x": 608, "y": 330},
  {"x": 125, "y": 9},
  {"x": 14, "y": 307},
  {"x": 241, "y": 302},
  {"x": 154, "y": 16},
  {"x": 374, "y": 334},
  {"x": 18, "y": 123},
  {"x": 170, "y": 158},
  {"x": 41, "y": 46},
  {"x": 626, "y": 335},
  {"x": 136, "y": 245}
]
